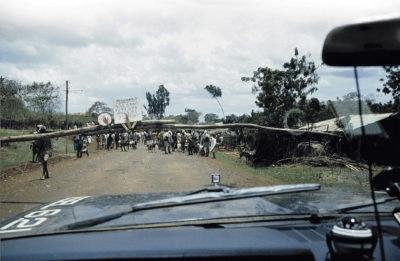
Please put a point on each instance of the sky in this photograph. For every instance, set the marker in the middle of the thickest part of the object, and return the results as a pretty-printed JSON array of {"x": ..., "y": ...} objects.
[{"x": 116, "y": 49}]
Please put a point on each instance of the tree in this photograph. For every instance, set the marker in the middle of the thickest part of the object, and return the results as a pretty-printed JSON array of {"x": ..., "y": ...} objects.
[
  {"x": 311, "y": 110},
  {"x": 282, "y": 90},
  {"x": 98, "y": 107},
  {"x": 392, "y": 85},
  {"x": 42, "y": 98},
  {"x": 211, "y": 117},
  {"x": 215, "y": 93},
  {"x": 12, "y": 106},
  {"x": 192, "y": 116},
  {"x": 244, "y": 118},
  {"x": 157, "y": 103}
]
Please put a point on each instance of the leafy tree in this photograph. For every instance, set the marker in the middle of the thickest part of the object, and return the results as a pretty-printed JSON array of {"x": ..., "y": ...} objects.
[
  {"x": 157, "y": 103},
  {"x": 380, "y": 107},
  {"x": 232, "y": 118},
  {"x": 392, "y": 85},
  {"x": 192, "y": 116},
  {"x": 42, "y": 98},
  {"x": 325, "y": 112},
  {"x": 176, "y": 118},
  {"x": 311, "y": 110},
  {"x": 281, "y": 90},
  {"x": 98, "y": 107},
  {"x": 244, "y": 118},
  {"x": 215, "y": 93},
  {"x": 12, "y": 106},
  {"x": 211, "y": 117},
  {"x": 294, "y": 118}
]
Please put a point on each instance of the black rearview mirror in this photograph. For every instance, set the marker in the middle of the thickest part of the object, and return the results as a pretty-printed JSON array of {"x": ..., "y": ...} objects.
[{"x": 366, "y": 44}]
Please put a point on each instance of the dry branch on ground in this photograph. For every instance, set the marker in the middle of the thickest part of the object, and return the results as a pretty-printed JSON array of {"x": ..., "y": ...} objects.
[{"x": 323, "y": 161}]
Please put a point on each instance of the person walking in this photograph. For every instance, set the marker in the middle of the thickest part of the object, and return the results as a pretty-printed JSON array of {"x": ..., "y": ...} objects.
[
  {"x": 124, "y": 137},
  {"x": 167, "y": 142},
  {"x": 34, "y": 148},
  {"x": 109, "y": 141},
  {"x": 79, "y": 147},
  {"x": 205, "y": 141},
  {"x": 85, "y": 146},
  {"x": 189, "y": 142},
  {"x": 98, "y": 141},
  {"x": 76, "y": 140},
  {"x": 117, "y": 139},
  {"x": 44, "y": 151}
]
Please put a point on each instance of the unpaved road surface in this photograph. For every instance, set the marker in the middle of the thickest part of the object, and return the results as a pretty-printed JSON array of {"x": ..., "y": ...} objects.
[{"x": 116, "y": 172}]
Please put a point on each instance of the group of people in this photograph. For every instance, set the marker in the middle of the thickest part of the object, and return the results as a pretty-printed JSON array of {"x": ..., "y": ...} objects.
[
  {"x": 81, "y": 145},
  {"x": 193, "y": 142},
  {"x": 116, "y": 140}
]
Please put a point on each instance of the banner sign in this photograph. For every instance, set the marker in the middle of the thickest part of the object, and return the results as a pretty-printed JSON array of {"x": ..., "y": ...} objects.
[{"x": 128, "y": 106}]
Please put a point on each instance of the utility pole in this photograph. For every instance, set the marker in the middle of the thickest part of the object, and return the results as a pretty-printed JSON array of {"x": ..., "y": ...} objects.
[{"x": 66, "y": 115}]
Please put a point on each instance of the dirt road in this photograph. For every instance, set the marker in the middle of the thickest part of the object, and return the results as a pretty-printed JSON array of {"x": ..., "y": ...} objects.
[{"x": 116, "y": 172}]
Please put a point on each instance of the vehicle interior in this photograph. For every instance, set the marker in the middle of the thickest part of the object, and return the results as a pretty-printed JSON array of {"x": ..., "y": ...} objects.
[{"x": 350, "y": 234}]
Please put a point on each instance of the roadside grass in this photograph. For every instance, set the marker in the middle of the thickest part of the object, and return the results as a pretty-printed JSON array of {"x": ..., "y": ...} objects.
[
  {"x": 17, "y": 153},
  {"x": 299, "y": 173}
]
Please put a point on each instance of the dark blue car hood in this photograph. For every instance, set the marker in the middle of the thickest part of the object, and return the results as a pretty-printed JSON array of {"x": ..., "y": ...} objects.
[{"x": 60, "y": 215}]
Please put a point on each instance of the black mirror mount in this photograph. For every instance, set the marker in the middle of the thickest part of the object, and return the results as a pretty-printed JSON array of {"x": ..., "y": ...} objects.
[{"x": 366, "y": 44}]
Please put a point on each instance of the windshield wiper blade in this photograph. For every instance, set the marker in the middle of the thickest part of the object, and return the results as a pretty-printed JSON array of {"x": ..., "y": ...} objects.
[
  {"x": 230, "y": 194},
  {"x": 190, "y": 199},
  {"x": 353, "y": 206}
]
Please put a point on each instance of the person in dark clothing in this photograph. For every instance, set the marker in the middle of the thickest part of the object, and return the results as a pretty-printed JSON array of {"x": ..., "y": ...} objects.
[
  {"x": 44, "y": 151},
  {"x": 109, "y": 141},
  {"x": 98, "y": 141},
  {"x": 174, "y": 141},
  {"x": 35, "y": 152},
  {"x": 117, "y": 138},
  {"x": 79, "y": 147},
  {"x": 124, "y": 137},
  {"x": 206, "y": 145},
  {"x": 190, "y": 144},
  {"x": 76, "y": 140}
]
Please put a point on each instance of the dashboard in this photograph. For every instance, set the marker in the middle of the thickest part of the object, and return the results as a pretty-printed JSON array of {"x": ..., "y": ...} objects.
[{"x": 248, "y": 241}]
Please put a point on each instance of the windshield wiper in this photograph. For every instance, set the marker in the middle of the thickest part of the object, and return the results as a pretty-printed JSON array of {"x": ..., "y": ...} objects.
[{"x": 206, "y": 197}]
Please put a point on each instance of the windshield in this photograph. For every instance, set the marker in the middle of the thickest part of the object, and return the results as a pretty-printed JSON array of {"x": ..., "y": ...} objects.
[{"x": 134, "y": 101}]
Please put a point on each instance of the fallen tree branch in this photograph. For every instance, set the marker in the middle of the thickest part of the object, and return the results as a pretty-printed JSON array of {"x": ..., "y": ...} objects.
[
  {"x": 85, "y": 130},
  {"x": 155, "y": 124},
  {"x": 251, "y": 126}
]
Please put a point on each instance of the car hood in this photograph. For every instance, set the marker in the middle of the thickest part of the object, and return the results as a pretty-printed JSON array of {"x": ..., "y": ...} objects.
[{"x": 60, "y": 215}]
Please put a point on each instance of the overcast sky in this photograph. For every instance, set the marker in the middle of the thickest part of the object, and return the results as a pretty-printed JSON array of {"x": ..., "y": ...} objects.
[{"x": 120, "y": 49}]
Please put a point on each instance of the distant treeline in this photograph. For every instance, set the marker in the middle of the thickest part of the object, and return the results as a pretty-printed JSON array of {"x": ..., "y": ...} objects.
[
  {"x": 25, "y": 106},
  {"x": 55, "y": 122}
]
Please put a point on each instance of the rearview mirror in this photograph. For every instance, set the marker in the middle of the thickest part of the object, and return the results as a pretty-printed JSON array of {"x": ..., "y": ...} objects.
[{"x": 366, "y": 44}]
